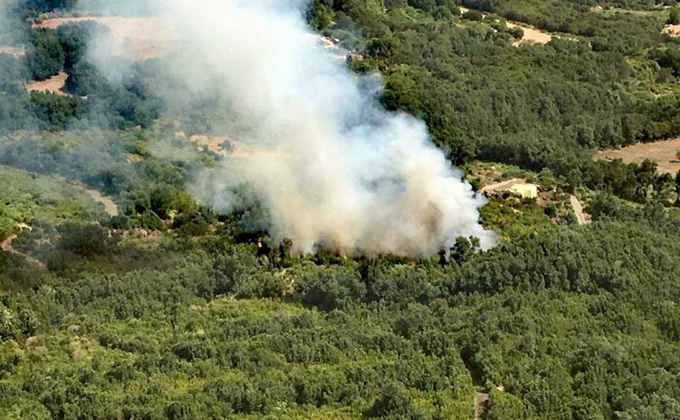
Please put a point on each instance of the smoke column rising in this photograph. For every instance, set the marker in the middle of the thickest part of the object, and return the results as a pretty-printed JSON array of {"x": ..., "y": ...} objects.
[{"x": 334, "y": 168}]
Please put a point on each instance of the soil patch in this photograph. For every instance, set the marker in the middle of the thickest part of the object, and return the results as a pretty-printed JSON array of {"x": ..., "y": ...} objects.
[
  {"x": 502, "y": 186},
  {"x": 662, "y": 152},
  {"x": 54, "y": 84},
  {"x": 138, "y": 38},
  {"x": 530, "y": 34},
  {"x": 15, "y": 51},
  {"x": 224, "y": 146},
  {"x": 110, "y": 206},
  {"x": 672, "y": 30},
  {"x": 481, "y": 400},
  {"x": 578, "y": 209},
  {"x": 6, "y": 246}
]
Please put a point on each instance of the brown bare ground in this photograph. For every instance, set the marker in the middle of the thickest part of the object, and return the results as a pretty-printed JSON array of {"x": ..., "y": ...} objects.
[
  {"x": 237, "y": 149},
  {"x": 54, "y": 84},
  {"x": 214, "y": 144},
  {"x": 6, "y": 246},
  {"x": 530, "y": 34},
  {"x": 578, "y": 209},
  {"x": 502, "y": 186},
  {"x": 480, "y": 401},
  {"x": 662, "y": 152},
  {"x": 672, "y": 30},
  {"x": 136, "y": 37},
  {"x": 110, "y": 206}
]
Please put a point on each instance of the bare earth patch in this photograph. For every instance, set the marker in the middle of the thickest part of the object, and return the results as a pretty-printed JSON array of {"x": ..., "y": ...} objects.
[
  {"x": 481, "y": 400},
  {"x": 530, "y": 34},
  {"x": 672, "y": 30},
  {"x": 502, "y": 186},
  {"x": 224, "y": 146},
  {"x": 54, "y": 84},
  {"x": 213, "y": 144},
  {"x": 136, "y": 37},
  {"x": 15, "y": 51},
  {"x": 6, "y": 246},
  {"x": 662, "y": 152},
  {"x": 110, "y": 206},
  {"x": 578, "y": 210}
]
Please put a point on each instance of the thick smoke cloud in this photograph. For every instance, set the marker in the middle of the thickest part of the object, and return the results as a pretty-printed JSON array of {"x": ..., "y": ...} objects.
[{"x": 331, "y": 166}]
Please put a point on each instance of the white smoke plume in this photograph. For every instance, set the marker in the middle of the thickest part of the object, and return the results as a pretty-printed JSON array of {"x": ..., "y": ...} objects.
[{"x": 331, "y": 166}]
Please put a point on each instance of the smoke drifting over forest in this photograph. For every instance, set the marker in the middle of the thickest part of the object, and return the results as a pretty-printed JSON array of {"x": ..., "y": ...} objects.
[{"x": 333, "y": 169}]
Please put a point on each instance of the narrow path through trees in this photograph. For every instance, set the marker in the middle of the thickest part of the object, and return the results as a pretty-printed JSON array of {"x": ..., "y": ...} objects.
[
  {"x": 578, "y": 209},
  {"x": 6, "y": 246}
]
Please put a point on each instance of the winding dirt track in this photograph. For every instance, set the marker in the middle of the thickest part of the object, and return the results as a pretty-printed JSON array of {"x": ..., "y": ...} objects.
[
  {"x": 109, "y": 206},
  {"x": 6, "y": 246}
]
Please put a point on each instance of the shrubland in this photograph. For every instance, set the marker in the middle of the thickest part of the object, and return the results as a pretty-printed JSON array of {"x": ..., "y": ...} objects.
[{"x": 168, "y": 310}]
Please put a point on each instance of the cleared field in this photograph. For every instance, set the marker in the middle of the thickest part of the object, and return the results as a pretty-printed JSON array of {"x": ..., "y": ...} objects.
[
  {"x": 133, "y": 37},
  {"x": 54, "y": 84},
  {"x": 661, "y": 152}
]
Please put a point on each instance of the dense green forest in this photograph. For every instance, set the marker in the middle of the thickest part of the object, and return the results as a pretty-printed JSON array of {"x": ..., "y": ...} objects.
[{"x": 166, "y": 309}]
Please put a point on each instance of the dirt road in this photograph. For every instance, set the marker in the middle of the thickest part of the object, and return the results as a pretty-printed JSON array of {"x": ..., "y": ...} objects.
[
  {"x": 6, "y": 246},
  {"x": 480, "y": 401},
  {"x": 54, "y": 84},
  {"x": 502, "y": 186},
  {"x": 110, "y": 206},
  {"x": 578, "y": 209}
]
